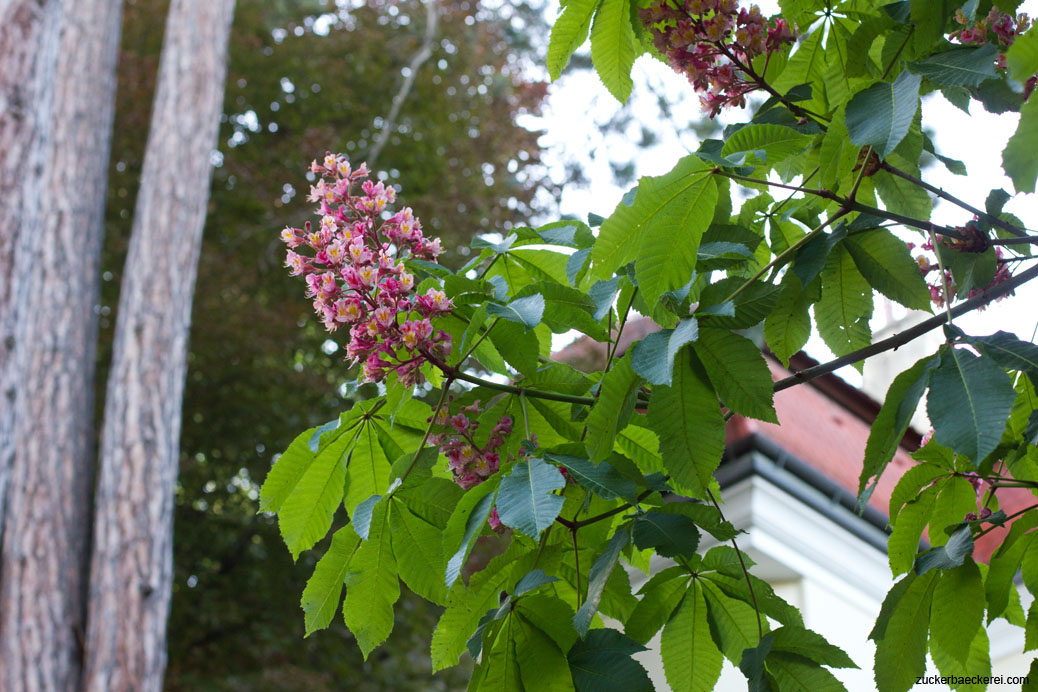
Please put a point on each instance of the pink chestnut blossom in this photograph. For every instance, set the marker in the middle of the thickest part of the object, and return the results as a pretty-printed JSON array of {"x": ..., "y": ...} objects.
[{"x": 356, "y": 274}]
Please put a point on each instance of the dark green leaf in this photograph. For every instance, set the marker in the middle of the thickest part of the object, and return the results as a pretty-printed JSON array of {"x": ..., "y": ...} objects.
[
  {"x": 958, "y": 67},
  {"x": 670, "y": 534},
  {"x": 653, "y": 356},
  {"x": 602, "y": 662},
  {"x": 526, "y": 501},
  {"x": 601, "y": 479},
  {"x": 970, "y": 399},
  {"x": 949, "y": 555},
  {"x": 527, "y": 311},
  {"x": 882, "y": 114}
]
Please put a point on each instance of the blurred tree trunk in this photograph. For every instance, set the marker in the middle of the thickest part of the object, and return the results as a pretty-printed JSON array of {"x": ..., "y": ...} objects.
[
  {"x": 47, "y": 515},
  {"x": 40, "y": 591},
  {"x": 131, "y": 565}
]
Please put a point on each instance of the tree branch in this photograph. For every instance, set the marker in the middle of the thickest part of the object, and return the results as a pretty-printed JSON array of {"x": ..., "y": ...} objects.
[
  {"x": 902, "y": 338},
  {"x": 432, "y": 16}
]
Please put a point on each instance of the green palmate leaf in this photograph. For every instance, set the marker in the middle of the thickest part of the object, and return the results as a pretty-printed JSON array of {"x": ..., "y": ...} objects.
[
  {"x": 733, "y": 622},
  {"x": 612, "y": 47},
  {"x": 690, "y": 426},
  {"x": 526, "y": 311},
  {"x": 602, "y": 662},
  {"x": 372, "y": 586},
  {"x": 316, "y": 482},
  {"x": 464, "y": 526},
  {"x": 881, "y": 115},
  {"x": 669, "y": 534},
  {"x": 613, "y": 408},
  {"x": 810, "y": 645},
  {"x": 597, "y": 578},
  {"x": 323, "y": 591},
  {"x": 959, "y": 67},
  {"x": 542, "y": 665},
  {"x": 970, "y": 400},
  {"x": 795, "y": 674},
  {"x": 738, "y": 371},
  {"x": 568, "y": 33},
  {"x": 691, "y": 660},
  {"x": 764, "y": 144},
  {"x": 1018, "y": 159},
  {"x": 517, "y": 345},
  {"x": 842, "y": 314},
  {"x": 661, "y": 229},
  {"x": 653, "y": 356},
  {"x": 884, "y": 260},
  {"x": 526, "y": 501},
  {"x": 1022, "y": 56},
  {"x": 958, "y": 609},
  {"x": 788, "y": 327},
  {"x": 904, "y": 540},
  {"x": 901, "y": 651},
  {"x": 894, "y": 417},
  {"x": 418, "y": 547},
  {"x": 655, "y": 608},
  {"x": 601, "y": 479}
]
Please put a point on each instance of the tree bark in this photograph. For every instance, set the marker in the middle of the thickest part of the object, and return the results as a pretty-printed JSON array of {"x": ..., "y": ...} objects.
[
  {"x": 37, "y": 655},
  {"x": 43, "y": 564},
  {"x": 132, "y": 560}
]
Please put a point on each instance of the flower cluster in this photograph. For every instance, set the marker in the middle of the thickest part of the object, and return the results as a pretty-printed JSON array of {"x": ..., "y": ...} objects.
[
  {"x": 356, "y": 275},
  {"x": 931, "y": 269},
  {"x": 997, "y": 27},
  {"x": 470, "y": 462},
  {"x": 712, "y": 42}
]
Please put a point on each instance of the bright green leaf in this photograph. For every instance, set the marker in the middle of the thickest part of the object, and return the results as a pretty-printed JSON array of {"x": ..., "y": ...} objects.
[
  {"x": 372, "y": 586},
  {"x": 568, "y": 33},
  {"x": 691, "y": 660},
  {"x": 597, "y": 576},
  {"x": 612, "y": 47},
  {"x": 901, "y": 652},
  {"x": 1018, "y": 158},
  {"x": 323, "y": 590}
]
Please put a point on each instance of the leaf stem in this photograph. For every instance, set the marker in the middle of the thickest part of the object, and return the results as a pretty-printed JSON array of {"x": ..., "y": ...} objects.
[
  {"x": 620, "y": 330},
  {"x": 428, "y": 428},
  {"x": 1011, "y": 516},
  {"x": 742, "y": 563}
]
